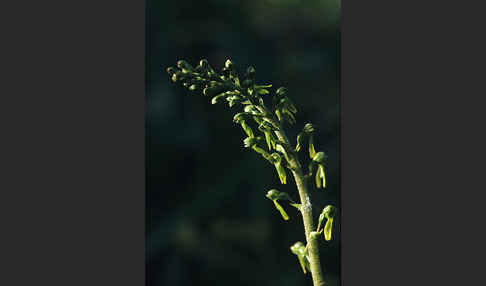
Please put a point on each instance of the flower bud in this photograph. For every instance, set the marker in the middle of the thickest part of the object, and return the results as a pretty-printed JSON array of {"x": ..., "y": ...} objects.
[
  {"x": 228, "y": 64},
  {"x": 171, "y": 70},
  {"x": 273, "y": 194},
  {"x": 184, "y": 66},
  {"x": 204, "y": 63},
  {"x": 206, "y": 68},
  {"x": 309, "y": 128}
]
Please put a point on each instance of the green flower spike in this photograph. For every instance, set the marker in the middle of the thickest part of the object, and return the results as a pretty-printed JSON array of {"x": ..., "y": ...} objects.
[
  {"x": 226, "y": 86},
  {"x": 277, "y": 161},
  {"x": 299, "y": 249},
  {"x": 327, "y": 213}
]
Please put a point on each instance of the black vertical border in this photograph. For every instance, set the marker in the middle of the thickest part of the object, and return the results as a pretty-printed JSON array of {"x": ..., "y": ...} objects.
[
  {"x": 411, "y": 152},
  {"x": 73, "y": 143}
]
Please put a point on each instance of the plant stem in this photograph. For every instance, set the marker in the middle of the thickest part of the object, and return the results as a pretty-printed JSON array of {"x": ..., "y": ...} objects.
[
  {"x": 306, "y": 210},
  {"x": 312, "y": 247}
]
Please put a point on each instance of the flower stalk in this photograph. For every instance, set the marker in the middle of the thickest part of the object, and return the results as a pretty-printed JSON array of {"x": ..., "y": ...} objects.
[{"x": 270, "y": 122}]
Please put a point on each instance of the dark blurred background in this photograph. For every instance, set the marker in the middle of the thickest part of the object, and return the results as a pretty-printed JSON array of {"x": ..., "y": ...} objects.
[{"x": 207, "y": 219}]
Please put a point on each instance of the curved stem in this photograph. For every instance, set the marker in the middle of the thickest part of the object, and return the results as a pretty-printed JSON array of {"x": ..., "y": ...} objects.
[{"x": 306, "y": 210}]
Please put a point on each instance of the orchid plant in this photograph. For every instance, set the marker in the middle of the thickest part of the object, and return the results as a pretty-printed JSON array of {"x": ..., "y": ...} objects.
[{"x": 264, "y": 128}]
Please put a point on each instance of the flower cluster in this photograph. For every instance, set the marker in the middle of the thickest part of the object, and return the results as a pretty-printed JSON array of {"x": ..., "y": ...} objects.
[{"x": 257, "y": 119}]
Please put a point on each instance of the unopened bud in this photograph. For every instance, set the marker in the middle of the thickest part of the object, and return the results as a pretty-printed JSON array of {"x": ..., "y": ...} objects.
[
  {"x": 273, "y": 194},
  {"x": 309, "y": 128},
  {"x": 228, "y": 64},
  {"x": 184, "y": 66},
  {"x": 171, "y": 70}
]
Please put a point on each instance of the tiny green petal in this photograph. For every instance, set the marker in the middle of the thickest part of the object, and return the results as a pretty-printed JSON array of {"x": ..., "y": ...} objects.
[
  {"x": 281, "y": 210},
  {"x": 312, "y": 150},
  {"x": 328, "y": 229}
]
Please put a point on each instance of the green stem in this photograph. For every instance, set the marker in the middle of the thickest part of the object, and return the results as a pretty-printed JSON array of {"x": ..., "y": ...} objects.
[{"x": 306, "y": 210}]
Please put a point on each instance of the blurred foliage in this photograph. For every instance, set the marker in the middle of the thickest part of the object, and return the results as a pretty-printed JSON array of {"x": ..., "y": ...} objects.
[{"x": 207, "y": 218}]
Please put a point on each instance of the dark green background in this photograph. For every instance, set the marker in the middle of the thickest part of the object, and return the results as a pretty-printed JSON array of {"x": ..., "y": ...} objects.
[{"x": 208, "y": 221}]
